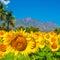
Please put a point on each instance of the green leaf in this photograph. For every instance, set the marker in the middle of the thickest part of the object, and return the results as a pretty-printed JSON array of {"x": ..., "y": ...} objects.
[
  {"x": 10, "y": 56},
  {"x": 41, "y": 54},
  {"x": 46, "y": 49},
  {"x": 22, "y": 57},
  {"x": 49, "y": 58},
  {"x": 49, "y": 54},
  {"x": 27, "y": 57},
  {"x": 57, "y": 53}
]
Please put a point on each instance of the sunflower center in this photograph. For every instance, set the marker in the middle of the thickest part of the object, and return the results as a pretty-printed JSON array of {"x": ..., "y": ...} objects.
[
  {"x": 53, "y": 39},
  {"x": 54, "y": 45},
  {"x": 19, "y": 44},
  {"x": 1, "y": 32},
  {"x": 42, "y": 42},
  {"x": 47, "y": 36},
  {"x": 2, "y": 48},
  {"x": 52, "y": 33}
]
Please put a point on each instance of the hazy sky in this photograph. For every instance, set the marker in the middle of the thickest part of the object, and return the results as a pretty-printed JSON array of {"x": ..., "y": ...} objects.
[{"x": 43, "y": 10}]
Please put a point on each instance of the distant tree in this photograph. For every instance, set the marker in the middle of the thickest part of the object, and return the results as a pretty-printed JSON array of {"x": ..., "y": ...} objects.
[
  {"x": 27, "y": 29},
  {"x": 20, "y": 27},
  {"x": 34, "y": 29},
  {"x": 1, "y": 11},
  {"x": 2, "y": 16},
  {"x": 10, "y": 20},
  {"x": 7, "y": 18},
  {"x": 57, "y": 30},
  {"x": 31, "y": 28}
]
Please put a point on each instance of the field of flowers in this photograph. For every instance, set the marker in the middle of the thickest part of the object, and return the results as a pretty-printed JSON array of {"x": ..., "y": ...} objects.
[
  {"x": 27, "y": 43},
  {"x": 21, "y": 45}
]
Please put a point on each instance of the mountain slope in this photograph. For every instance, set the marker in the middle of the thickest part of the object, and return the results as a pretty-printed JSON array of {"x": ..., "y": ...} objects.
[{"x": 44, "y": 26}]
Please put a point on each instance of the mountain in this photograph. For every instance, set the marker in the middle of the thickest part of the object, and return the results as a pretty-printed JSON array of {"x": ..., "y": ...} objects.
[{"x": 44, "y": 26}]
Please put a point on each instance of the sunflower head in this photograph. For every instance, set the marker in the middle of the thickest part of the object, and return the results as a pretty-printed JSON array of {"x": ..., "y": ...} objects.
[
  {"x": 8, "y": 37},
  {"x": 47, "y": 36},
  {"x": 54, "y": 47},
  {"x": 52, "y": 33},
  {"x": 38, "y": 33},
  {"x": 19, "y": 43},
  {"x": 43, "y": 34},
  {"x": 2, "y": 32},
  {"x": 53, "y": 39},
  {"x": 42, "y": 44},
  {"x": 2, "y": 47}
]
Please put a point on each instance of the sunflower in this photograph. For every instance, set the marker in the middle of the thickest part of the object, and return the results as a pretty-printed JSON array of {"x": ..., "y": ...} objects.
[
  {"x": 53, "y": 39},
  {"x": 34, "y": 47},
  {"x": 37, "y": 33},
  {"x": 54, "y": 46},
  {"x": 33, "y": 38},
  {"x": 4, "y": 49},
  {"x": 41, "y": 42},
  {"x": 8, "y": 37},
  {"x": 12, "y": 32},
  {"x": 2, "y": 32},
  {"x": 21, "y": 45},
  {"x": 43, "y": 34},
  {"x": 52, "y": 33},
  {"x": 21, "y": 33},
  {"x": 47, "y": 37}
]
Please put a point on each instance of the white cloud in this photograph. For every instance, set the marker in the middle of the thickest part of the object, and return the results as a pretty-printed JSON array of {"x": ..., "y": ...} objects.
[{"x": 5, "y": 2}]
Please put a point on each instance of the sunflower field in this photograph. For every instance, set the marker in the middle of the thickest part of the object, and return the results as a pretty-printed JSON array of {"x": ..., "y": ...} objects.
[
  {"x": 21, "y": 45},
  {"x": 26, "y": 43}
]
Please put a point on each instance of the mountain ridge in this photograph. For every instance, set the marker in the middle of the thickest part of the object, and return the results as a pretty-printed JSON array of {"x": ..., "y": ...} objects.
[{"x": 43, "y": 26}]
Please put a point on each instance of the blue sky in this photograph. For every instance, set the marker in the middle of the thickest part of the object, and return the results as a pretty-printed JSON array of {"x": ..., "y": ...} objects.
[{"x": 43, "y": 10}]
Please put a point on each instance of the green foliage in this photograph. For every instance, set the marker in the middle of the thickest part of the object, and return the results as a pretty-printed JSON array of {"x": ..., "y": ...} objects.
[
  {"x": 7, "y": 18},
  {"x": 42, "y": 54},
  {"x": 28, "y": 29},
  {"x": 20, "y": 27},
  {"x": 1, "y": 11},
  {"x": 45, "y": 54},
  {"x": 57, "y": 30},
  {"x": 34, "y": 29},
  {"x": 11, "y": 56}
]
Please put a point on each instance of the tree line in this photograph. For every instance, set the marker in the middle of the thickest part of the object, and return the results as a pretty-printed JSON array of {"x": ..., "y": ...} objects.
[{"x": 7, "y": 20}]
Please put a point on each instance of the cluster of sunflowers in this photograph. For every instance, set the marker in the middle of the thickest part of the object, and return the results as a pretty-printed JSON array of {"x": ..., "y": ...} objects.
[{"x": 27, "y": 43}]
